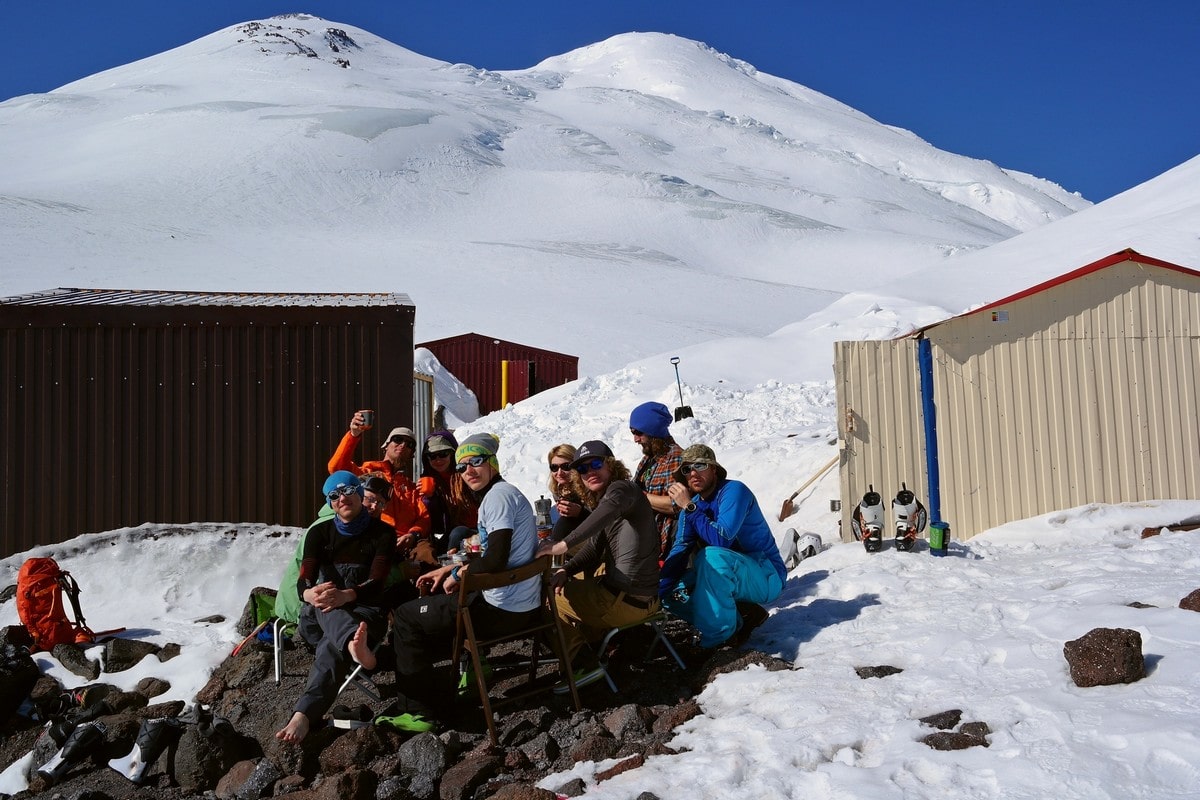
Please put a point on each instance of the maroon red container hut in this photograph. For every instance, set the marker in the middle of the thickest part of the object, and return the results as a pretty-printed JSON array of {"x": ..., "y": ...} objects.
[{"x": 477, "y": 360}]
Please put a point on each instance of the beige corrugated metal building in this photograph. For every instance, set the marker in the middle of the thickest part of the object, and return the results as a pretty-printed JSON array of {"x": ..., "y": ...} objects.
[{"x": 1082, "y": 389}]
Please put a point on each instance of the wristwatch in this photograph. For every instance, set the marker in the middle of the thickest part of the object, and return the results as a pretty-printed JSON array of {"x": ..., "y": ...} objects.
[{"x": 690, "y": 507}]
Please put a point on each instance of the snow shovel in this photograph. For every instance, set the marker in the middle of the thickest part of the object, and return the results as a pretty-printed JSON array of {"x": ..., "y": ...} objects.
[
  {"x": 789, "y": 507},
  {"x": 683, "y": 412}
]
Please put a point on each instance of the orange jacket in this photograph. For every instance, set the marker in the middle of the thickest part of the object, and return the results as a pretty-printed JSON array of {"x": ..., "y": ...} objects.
[{"x": 407, "y": 512}]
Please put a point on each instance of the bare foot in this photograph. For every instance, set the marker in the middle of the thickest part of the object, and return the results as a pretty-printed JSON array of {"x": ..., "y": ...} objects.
[
  {"x": 358, "y": 648},
  {"x": 295, "y": 730}
]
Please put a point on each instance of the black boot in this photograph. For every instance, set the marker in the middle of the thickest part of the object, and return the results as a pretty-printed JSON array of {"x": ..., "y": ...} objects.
[{"x": 752, "y": 615}]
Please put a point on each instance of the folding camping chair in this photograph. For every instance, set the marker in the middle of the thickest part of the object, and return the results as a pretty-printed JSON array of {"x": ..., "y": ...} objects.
[
  {"x": 357, "y": 676},
  {"x": 656, "y": 623},
  {"x": 469, "y": 639}
]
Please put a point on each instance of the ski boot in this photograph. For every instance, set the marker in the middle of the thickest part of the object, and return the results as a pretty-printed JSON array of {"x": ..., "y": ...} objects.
[
  {"x": 910, "y": 518},
  {"x": 153, "y": 738},
  {"x": 790, "y": 553},
  {"x": 808, "y": 545},
  {"x": 82, "y": 742},
  {"x": 867, "y": 521},
  {"x": 800, "y": 546}
]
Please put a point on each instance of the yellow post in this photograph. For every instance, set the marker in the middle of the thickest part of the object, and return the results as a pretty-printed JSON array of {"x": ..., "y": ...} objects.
[{"x": 504, "y": 383}]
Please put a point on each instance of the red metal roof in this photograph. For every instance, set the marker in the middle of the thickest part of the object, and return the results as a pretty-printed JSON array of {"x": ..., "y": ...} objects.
[{"x": 492, "y": 340}]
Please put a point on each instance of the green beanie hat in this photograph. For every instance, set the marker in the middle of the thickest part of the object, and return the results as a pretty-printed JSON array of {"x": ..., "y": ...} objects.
[{"x": 480, "y": 444}]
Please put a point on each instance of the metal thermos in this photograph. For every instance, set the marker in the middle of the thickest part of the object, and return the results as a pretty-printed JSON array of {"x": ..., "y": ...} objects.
[{"x": 541, "y": 508}]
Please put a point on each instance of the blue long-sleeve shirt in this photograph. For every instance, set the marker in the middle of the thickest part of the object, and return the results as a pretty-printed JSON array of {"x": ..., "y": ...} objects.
[{"x": 730, "y": 519}]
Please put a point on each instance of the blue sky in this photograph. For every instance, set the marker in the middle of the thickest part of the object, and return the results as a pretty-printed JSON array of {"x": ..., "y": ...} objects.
[{"x": 1096, "y": 95}]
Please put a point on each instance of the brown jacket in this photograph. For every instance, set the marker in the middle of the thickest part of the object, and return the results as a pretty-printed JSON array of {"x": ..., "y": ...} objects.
[{"x": 621, "y": 534}]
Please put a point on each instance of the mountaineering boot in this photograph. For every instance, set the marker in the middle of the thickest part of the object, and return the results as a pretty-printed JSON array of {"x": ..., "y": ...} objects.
[
  {"x": 350, "y": 718},
  {"x": 82, "y": 742},
  {"x": 752, "y": 615},
  {"x": 87, "y": 696},
  {"x": 867, "y": 521},
  {"x": 910, "y": 518}
]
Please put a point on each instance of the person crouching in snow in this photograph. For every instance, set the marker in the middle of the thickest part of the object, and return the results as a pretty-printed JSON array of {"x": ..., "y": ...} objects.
[
  {"x": 736, "y": 561},
  {"x": 344, "y": 566}
]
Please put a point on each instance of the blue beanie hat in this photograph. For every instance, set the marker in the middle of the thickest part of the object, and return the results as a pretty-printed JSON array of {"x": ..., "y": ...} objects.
[
  {"x": 651, "y": 419},
  {"x": 337, "y": 480}
]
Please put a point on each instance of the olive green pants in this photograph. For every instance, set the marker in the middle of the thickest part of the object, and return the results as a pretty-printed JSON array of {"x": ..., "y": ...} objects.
[{"x": 591, "y": 610}]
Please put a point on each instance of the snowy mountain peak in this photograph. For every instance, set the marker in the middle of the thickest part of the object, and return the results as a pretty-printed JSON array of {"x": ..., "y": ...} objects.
[
  {"x": 683, "y": 70},
  {"x": 663, "y": 55},
  {"x": 257, "y": 54},
  {"x": 300, "y": 34},
  {"x": 300, "y": 147}
]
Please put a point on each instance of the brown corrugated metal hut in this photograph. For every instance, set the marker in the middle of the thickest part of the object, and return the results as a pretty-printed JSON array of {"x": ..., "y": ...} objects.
[
  {"x": 1082, "y": 389},
  {"x": 478, "y": 361},
  {"x": 126, "y": 407}
]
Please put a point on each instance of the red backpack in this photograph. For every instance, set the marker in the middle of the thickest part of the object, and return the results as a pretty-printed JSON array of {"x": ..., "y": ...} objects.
[{"x": 40, "y": 588}]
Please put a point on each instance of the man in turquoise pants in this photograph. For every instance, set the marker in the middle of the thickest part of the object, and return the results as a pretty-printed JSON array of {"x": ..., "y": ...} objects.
[{"x": 736, "y": 564}]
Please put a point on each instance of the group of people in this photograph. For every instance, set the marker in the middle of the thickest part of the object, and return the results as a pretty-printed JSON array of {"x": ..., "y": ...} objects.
[{"x": 676, "y": 533}]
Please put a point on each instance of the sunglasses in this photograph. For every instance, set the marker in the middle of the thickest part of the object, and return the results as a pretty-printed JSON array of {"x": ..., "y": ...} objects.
[
  {"x": 584, "y": 467},
  {"x": 557, "y": 467},
  {"x": 342, "y": 491},
  {"x": 473, "y": 461},
  {"x": 402, "y": 441},
  {"x": 636, "y": 432},
  {"x": 372, "y": 499},
  {"x": 440, "y": 454},
  {"x": 688, "y": 469}
]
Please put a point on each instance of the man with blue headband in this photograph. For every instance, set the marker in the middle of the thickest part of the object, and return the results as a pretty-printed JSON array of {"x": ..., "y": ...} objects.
[{"x": 343, "y": 569}]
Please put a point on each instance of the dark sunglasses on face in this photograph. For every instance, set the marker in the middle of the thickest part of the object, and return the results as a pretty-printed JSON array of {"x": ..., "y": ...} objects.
[
  {"x": 372, "y": 499},
  {"x": 636, "y": 432},
  {"x": 440, "y": 454},
  {"x": 401, "y": 440},
  {"x": 473, "y": 461},
  {"x": 341, "y": 491},
  {"x": 557, "y": 467},
  {"x": 688, "y": 469},
  {"x": 584, "y": 467}
]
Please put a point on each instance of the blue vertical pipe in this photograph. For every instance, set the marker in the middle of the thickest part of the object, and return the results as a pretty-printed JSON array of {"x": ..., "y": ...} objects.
[{"x": 925, "y": 367}]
